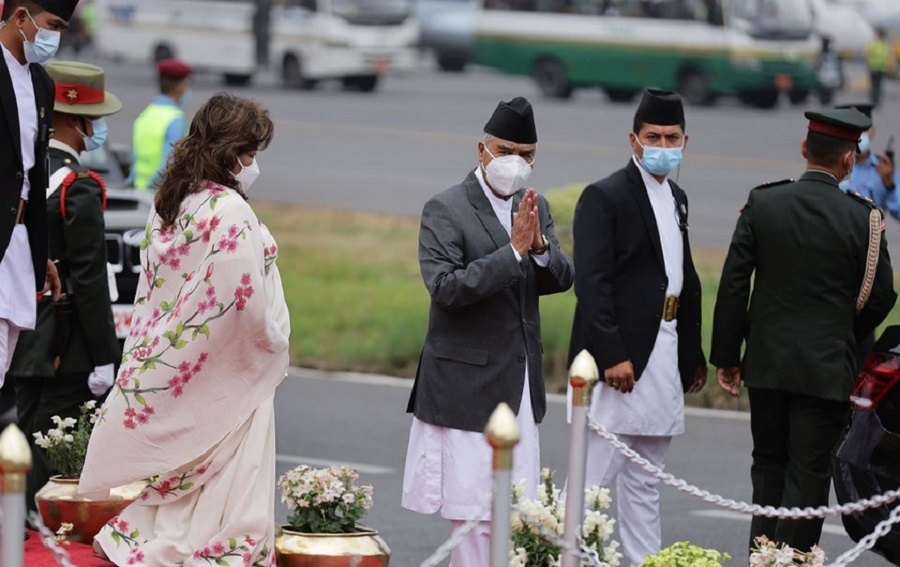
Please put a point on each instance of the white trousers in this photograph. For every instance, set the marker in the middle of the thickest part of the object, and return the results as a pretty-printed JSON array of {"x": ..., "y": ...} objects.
[
  {"x": 637, "y": 497},
  {"x": 474, "y": 550},
  {"x": 9, "y": 336}
]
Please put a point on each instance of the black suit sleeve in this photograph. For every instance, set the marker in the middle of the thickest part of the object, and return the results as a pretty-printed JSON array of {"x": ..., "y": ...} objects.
[
  {"x": 85, "y": 242},
  {"x": 595, "y": 247},
  {"x": 730, "y": 316},
  {"x": 882, "y": 298}
]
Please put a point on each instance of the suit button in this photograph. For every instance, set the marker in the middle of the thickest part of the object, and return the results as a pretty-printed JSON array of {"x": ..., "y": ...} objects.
[
  {"x": 20, "y": 175},
  {"x": 662, "y": 287},
  {"x": 521, "y": 358},
  {"x": 13, "y": 211}
]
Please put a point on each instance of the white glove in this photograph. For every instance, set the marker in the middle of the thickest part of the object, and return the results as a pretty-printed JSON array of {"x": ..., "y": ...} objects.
[{"x": 101, "y": 379}]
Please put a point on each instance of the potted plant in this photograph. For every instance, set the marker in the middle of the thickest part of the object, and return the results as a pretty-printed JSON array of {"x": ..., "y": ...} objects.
[
  {"x": 326, "y": 507},
  {"x": 684, "y": 554},
  {"x": 766, "y": 553},
  {"x": 532, "y": 548},
  {"x": 58, "y": 501}
]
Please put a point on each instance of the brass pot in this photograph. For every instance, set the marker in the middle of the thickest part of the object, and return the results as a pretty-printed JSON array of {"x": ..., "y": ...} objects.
[
  {"x": 58, "y": 503},
  {"x": 361, "y": 549}
]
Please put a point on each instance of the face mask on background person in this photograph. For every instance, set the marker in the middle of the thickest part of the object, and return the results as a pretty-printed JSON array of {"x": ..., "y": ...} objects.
[
  {"x": 507, "y": 174},
  {"x": 661, "y": 161},
  {"x": 98, "y": 138},
  {"x": 865, "y": 143},
  {"x": 247, "y": 175},
  {"x": 44, "y": 46}
]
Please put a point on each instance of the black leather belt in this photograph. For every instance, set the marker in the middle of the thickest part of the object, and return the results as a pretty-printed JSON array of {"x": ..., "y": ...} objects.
[
  {"x": 20, "y": 213},
  {"x": 670, "y": 308}
]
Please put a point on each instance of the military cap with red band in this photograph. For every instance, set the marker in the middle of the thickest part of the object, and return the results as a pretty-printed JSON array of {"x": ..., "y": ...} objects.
[
  {"x": 173, "y": 69},
  {"x": 842, "y": 123}
]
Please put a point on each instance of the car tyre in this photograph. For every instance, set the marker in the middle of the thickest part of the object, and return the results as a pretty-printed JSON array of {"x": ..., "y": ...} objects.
[
  {"x": 551, "y": 78},
  {"x": 292, "y": 74}
]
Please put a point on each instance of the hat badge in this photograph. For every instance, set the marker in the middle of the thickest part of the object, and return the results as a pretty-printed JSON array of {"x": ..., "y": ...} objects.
[{"x": 72, "y": 95}]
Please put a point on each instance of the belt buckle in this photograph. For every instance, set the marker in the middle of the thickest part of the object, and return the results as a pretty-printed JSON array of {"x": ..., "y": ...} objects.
[{"x": 670, "y": 309}]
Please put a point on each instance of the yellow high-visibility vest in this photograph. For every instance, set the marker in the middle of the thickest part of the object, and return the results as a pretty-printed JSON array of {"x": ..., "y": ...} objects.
[{"x": 149, "y": 140}]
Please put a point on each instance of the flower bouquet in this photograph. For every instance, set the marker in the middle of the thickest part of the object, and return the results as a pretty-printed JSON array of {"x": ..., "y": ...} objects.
[
  {"x": 66, "y": 444},
  {"x": 326, "y": 507},
  {"x": 684, "y": 554},
  {"x": 767, "y": 553},
  {"x": 531, "y": 545}
]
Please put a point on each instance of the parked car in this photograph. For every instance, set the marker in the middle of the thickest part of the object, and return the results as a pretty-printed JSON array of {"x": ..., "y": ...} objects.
[{"x": 867, "y": 458}]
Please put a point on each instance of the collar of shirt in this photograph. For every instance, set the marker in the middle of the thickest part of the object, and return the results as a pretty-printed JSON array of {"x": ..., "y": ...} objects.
[
  {"x": 649, "y": 181},
  {"x": 54, "y": 143},
  {"x": 828, "y": 173},
  {"x": 13, "y": 63},
  {"x": 165, "y": 100},
  {"x": 502, "y": 208}
]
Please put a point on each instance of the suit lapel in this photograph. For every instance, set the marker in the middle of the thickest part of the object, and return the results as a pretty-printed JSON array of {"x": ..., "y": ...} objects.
[
  {"x": 485, "y": 212},
  {"x": 10, "y": 109},
  {"x": 639, "y": 192}
]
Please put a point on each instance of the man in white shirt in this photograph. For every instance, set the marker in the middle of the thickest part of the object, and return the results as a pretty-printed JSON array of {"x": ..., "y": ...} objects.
[
  {"x": 638, "y": 314},
  {"x": 29, "y": 36},
  {"x": 487, "y": 251}
]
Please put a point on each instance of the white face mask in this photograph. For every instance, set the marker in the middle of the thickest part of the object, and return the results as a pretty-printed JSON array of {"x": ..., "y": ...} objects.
[
  {"x": 507, "y": 174},
  {"x": 247, "y": 175}
]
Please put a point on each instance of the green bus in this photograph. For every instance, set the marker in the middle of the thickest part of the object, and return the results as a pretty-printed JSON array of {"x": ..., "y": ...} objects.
[{"x": 754, "y": 49}]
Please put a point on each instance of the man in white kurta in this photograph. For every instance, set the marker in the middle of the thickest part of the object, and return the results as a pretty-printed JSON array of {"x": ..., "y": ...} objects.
[
  {"x": 641, "y": 402},
  {"x": 487, "y": 251}
]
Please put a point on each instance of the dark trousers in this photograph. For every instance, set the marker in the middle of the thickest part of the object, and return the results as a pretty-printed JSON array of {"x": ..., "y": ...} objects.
[
  {"x": 876, "y": 78},
  {"x": 38, "y": 399},
  {"x": 793, "y": 436}
]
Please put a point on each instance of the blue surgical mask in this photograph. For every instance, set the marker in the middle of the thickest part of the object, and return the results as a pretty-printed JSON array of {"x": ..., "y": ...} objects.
[
  {"x": 661, "y": 161},
  {"x": 98, "y": 138},
  {"x": 44, "y": 46},
  {"x": 865, "y": 143}
]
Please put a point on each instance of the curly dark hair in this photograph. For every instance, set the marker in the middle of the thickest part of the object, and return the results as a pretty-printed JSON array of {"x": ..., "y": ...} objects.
[{"x": 223, "y": 128}]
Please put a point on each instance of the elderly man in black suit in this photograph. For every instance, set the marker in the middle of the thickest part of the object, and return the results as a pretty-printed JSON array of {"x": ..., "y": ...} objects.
[
  {"x": 487, "y": 251},
  {"x": 638, "y": 313},
  {"x": 29, "y": 36}
]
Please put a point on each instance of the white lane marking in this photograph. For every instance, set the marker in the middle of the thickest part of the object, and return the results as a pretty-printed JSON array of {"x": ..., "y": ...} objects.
[
  {"x": 380, "y": 380},
  {"x": 360, "y": 467},
  {"x": 728, "y": 515}
]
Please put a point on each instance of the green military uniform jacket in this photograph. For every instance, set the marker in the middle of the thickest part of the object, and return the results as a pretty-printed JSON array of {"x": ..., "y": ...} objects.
[
  {"x": 805, "y": 245},
  {"x": 78, "y": 243}
]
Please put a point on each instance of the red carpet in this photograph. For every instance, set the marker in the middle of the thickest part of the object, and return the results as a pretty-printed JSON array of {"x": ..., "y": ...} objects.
[{"x": 81, "y": 555}]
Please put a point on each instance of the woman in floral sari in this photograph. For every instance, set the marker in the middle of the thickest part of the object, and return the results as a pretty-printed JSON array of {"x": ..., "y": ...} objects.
[{"x": 191, "y": 412}]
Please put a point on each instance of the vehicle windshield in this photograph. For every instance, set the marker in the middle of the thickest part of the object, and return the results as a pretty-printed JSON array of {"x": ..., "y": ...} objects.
[
  {"x": 373, "y": 12},
  {"x": 773, "y": 19}
]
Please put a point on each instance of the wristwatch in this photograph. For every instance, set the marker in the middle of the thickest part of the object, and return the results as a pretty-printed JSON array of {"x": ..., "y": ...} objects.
[{"x": 542, "y": 249}]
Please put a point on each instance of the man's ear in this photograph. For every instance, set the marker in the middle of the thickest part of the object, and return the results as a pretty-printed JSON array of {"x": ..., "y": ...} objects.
[{"x": 803, "y": 151}]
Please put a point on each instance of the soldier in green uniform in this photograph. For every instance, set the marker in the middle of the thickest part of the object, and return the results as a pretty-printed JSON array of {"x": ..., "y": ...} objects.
[
  {"x": 69, "y": 358},
  {"x": 805, "y": 244}
]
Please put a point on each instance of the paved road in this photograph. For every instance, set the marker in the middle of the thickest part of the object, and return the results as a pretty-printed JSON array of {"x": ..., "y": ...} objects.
[
  {"x": 391, "y": 150},
  {"x": 345, "y": 418}
]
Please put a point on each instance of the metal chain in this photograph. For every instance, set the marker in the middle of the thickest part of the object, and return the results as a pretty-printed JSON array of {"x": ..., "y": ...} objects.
[
  {"x": 456, "y": 537},
  {"x": 754, "y": 509},
  {"x": 867, "y": 542},
  {"x": 48, "y": 538}
]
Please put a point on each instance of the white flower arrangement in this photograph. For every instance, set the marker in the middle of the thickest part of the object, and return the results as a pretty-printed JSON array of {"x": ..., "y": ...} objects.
[
  {"x": 66, "y": 444},
  {"x": 529, "y": 548},
  {"x": 766, "y": 553},
  {"x": 324, "y": 500}
]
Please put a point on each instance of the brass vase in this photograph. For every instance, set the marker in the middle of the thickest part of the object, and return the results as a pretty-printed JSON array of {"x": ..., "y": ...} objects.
[
  {"x": 58, "y": 503},
  {"x": 361, "y": 549}
]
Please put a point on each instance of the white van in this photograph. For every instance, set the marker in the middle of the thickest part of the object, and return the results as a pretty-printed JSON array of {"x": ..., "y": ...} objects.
[{"x": 304, "y": 41}]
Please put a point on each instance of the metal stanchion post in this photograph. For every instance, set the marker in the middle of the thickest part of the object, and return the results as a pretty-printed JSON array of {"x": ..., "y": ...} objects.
[
  {"x": 583, "y": 376},
  {"x": 503, "y": 434},
  {"x": 15, "y": 462}
]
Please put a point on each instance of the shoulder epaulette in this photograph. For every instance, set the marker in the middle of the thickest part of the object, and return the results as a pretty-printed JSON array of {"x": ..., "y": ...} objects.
[
  {"x": 72, "y": 178},
  {"x": 862, "y": 199},
  {"x": 774, "y": 183}
]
